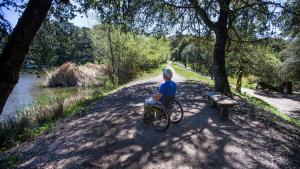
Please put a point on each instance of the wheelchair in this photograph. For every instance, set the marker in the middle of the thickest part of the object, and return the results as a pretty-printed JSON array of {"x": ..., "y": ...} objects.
[{"x": 162, "y": 113}]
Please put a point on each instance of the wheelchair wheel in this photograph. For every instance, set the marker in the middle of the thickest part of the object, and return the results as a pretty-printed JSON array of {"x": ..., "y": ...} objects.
[
  {"x": 160, "y": 118},
  {"x": 176, "y": 112}
]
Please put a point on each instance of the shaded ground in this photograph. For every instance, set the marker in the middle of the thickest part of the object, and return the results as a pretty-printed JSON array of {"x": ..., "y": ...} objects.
[
  {"x": 110, "y": 134},
  {"x": 288, "y": 104}
]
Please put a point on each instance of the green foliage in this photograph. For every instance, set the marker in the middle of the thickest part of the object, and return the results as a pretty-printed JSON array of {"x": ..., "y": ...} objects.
[
  {"x": 265, "y": 64},
  {"x": 58, "y": 42},
  {"x": 178, "y": 44},
  {"x": 290, "y": 21},
  {"x": 253, "y": 60},
  {"x": 289, "y": 69},
  {"x": 198, "y": 58},
  {"x": 240, "y": 58},
  {"x": 193, "y": 51},
  {"x": 249, "y": 81},
  {"x": 127, "y": 52}
]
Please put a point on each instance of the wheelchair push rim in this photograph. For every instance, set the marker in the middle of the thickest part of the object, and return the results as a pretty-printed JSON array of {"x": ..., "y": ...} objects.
[{"x": 176, "y": 113}]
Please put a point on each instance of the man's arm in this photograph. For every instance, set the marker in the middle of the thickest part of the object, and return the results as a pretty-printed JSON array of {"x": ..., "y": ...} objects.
[{"x": 158, "y": 95}]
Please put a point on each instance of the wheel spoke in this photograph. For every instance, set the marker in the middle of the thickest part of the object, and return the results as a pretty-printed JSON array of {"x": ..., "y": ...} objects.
[{"x": 160, "y": 119}]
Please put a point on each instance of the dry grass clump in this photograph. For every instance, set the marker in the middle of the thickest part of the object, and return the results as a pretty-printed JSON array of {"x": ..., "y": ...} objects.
[
  {"x": 70, "y": 75},
  {"x": 67, "y": 75},
  {"x": 94, "y": 74}
]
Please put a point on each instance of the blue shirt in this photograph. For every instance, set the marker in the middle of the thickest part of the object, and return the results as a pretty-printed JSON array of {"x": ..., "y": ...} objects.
[{"x": 167, "y": 89}]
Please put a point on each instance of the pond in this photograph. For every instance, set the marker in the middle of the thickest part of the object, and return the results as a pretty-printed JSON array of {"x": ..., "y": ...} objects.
[{"x": 26, "y": 90}]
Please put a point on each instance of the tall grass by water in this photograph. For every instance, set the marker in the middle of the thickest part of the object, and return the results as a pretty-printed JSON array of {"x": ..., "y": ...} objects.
[{"x": 41, "y": 115}]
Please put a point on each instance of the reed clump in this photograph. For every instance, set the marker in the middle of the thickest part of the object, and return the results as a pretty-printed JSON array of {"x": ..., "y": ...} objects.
[{"x": 71, "y": 75}]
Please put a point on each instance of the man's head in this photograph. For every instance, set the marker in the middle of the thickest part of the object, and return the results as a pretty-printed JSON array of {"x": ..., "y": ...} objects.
[{"x": 167, "y": 74}]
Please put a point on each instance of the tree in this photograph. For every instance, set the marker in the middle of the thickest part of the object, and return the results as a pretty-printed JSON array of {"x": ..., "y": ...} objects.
[
  {"x": 18, "y": 43},
  {"x": 178, "y": 49},
  {"x": 195, "y": 17},
  {"x": 199, "y": 58},
  {"x": 289, "y": 69},
  {"x": 265, "y": 64},
  {"x": 290, "y": 21},
  {"x": 133, "y": 54},
  {"x": 58, "y": 42},
  {"x": 13, "y": 54}
]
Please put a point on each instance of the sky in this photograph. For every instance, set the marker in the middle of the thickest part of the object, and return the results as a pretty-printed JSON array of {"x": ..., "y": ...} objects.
[{"x": 80, "y": 20}]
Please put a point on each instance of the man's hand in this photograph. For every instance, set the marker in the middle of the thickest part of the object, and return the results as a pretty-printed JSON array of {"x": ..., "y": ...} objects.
[{"x": 157, "y": 96}]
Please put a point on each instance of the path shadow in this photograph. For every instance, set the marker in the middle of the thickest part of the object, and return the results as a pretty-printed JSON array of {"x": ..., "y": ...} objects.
[{"x": 112, "y": 135}]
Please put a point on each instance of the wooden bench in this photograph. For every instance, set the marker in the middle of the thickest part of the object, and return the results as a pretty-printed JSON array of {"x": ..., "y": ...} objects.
[{"x": 221, "y": 101}]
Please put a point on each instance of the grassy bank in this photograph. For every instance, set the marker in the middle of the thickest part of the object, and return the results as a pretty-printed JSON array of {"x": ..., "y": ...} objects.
[
  {"x": 247, "y": 82},
  {"x": 190, "y": 75},
  {"x": 47, "y": 110},
  {"x": 153, "y": 72},
  {"x": 43, "y": 113}
]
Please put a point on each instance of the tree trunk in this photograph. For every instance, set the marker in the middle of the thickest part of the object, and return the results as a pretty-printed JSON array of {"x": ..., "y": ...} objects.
[
  {"x": 185, "y": 62},
  {"x": 112, "y": 55},
  {"x": 221, "y": 31},
  {"x": 12, "y": 57},
  {"x": 239, "y": 79},
  {"x": 220, "y": 75}
]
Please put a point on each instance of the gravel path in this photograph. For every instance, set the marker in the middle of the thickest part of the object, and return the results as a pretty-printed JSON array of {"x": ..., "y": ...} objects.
[
  {"x": 288, "y": 104},
  {"x": 110, "y": 134}
]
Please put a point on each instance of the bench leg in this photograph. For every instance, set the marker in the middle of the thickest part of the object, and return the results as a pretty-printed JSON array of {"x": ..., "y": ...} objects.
[
  {"x": 210, "y": 102},
  {"x": 224, "y": 112}
]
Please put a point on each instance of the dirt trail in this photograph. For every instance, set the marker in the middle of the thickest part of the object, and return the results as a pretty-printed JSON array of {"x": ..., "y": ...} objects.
[{"x": 110, "y": 134}]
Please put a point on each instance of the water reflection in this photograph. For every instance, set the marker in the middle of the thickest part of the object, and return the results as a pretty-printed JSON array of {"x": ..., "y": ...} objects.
[{"x": 26, "y": 90}]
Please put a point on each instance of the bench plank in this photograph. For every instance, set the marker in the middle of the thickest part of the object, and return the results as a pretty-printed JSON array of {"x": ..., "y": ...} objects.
[{"x": 221, "y": 99}]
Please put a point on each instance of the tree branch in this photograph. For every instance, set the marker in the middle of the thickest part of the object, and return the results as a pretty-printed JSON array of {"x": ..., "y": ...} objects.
[
  {"x": 251, "y": 5},
  {"x": 224, "y": 12},
  {"x": 176, "y": 6},
  {"x": 203, "y": 14}
]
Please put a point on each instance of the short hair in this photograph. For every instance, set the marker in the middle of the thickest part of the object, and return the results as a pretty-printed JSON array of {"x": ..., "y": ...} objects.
[{"x": 168, "y": 73}]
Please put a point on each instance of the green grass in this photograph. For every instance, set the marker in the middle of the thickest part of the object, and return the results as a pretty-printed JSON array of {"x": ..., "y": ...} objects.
[
  {"x": 190, "y": 75},
  {"x": 153, "y": 72},
  {"x": 247, "y": 82}
]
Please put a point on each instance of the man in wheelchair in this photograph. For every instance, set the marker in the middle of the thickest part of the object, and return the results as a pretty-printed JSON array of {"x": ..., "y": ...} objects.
[{"x": 166, "y": 92}]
